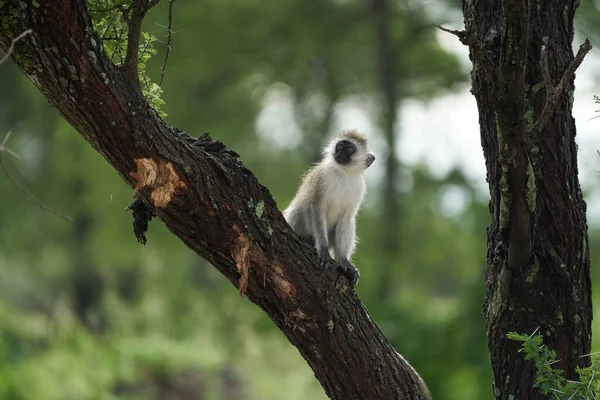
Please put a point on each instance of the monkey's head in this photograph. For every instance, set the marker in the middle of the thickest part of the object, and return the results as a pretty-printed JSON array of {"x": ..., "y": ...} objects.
[{"x": 350, "y": 150}]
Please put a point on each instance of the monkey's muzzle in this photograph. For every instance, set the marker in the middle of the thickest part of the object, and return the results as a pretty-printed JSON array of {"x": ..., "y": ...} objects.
[{"x": 369, "y": 161}]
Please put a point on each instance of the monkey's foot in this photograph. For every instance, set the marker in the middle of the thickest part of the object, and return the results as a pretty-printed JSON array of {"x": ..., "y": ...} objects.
[
  {"x": 351, "y": 272},
  {"x": 325, "y": 259}
]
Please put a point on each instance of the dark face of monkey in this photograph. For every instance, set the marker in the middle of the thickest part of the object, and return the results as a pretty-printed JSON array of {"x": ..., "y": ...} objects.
[{"x": 345, "y": 150}]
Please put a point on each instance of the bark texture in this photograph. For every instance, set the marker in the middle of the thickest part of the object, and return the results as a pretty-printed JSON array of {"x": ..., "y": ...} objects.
[
  {"x": 209, "y": 200},
  {"x": 538, "y": 272}
]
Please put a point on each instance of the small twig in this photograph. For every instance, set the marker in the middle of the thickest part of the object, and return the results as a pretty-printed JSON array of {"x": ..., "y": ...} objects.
[
  {"x": 168, "y": 50},
  {"x": 597, "y": 116},
  {"x": 553, "y": 92},
  {"x": 126, "y": 12},
  {"x": 574, "y": 393},
  {"x": 142, "y": 54},
  {"x": 533, "y": 333},
  {"x": 585, "y": 48},
  {"x": 592, "y": 378},
  {"x": 461, "y": 35},
  {"x": 470, "y": 39},
  {"x": 118, "y": 6},
  {"x": 110, "y": 39},
  {"x": 4, "y": 148},
  {"x": 13, "y": 42},
  {"x": 31, "y": 197},
  {"x": 114, "y": 52}
]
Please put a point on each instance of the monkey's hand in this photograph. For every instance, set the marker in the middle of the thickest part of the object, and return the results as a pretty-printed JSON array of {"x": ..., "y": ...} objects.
[
  {"x": 325, "y": 259},
  {"x": 350, "y": 271}
]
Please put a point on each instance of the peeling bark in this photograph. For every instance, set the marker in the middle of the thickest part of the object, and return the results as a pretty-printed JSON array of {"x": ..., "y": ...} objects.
[
  {"x": 538, "y": 272},
  {"x": 206, "y": 197}
]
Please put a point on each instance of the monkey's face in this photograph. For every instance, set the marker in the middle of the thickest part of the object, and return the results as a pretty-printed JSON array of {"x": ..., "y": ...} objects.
[
  {"x": 351, "y": 154},
  {"x": 344, "y": 150}
]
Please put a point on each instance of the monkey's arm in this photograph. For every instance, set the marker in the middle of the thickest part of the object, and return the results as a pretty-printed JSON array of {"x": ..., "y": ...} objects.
[
  {"x": 345, "y": 242},
  {"x": 319, "y": 232}
]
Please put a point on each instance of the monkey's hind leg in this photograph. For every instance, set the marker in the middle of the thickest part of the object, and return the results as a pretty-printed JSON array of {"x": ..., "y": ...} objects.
[
  {"x": 316, "y": 218},
  {"x": 344, "y": 244}
]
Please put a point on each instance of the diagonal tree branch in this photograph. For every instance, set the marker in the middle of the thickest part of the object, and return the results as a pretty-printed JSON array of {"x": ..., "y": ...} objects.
[
  {"x": 553, "y": 92},
  {"x": 12, "y": 44},
  {"x": 206, "y": 197}
]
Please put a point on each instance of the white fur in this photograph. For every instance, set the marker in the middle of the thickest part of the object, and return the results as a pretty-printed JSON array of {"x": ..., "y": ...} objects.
[{"x": 343, "y": 192}]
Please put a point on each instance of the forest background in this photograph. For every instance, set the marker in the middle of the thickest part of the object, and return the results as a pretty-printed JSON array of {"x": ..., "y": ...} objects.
[{"x": 86, "y": 312}]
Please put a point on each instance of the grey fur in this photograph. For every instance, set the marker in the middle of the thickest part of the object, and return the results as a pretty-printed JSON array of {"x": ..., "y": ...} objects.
[{"x": 327, "y": 202}]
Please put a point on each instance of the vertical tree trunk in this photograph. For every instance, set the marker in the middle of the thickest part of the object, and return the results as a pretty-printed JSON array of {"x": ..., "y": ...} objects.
[
  {"x": 538, "y": 272},
  {"x": 316, "y": 126},
  {"x": 386, "y": 77}
]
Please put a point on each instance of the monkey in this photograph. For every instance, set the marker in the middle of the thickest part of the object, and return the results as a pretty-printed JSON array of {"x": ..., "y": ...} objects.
[{"x": 323, "y": 211}]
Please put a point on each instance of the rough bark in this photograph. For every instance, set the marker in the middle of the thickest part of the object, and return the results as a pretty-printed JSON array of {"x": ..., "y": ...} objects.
[
  {"x": 208, "y": 199},
  {"x": 538, "y": 272}
]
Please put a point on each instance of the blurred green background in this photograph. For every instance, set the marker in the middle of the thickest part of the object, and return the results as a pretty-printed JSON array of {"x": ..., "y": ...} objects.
[{"x": 88, "y": 313}]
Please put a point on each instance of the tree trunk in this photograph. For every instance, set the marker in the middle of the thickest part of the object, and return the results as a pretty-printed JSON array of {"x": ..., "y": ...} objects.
[
  {"x": 385, "y": 68},
  {"x": 209, "y": 200},
  {"x": 538, "y": 265}
]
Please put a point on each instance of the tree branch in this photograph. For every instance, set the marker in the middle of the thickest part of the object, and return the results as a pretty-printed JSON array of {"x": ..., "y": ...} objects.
[
  {"x": 12, "y": 44},
  {"x": 216, "y": 206},
  {"x": 134, "y": 19},
  {"x": 469, "y": 38},
  {"x": 553, "y": 92}
]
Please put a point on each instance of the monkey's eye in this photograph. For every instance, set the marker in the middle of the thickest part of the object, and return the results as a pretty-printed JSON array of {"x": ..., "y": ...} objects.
[{"x": 351, "y": 148}]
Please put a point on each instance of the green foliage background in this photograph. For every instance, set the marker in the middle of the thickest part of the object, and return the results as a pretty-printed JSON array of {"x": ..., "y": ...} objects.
[{"x": 88, "y": 313}]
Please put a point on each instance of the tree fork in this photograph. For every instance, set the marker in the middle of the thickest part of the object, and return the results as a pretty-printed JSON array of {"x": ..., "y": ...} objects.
[{"x": 190, "y": 185}]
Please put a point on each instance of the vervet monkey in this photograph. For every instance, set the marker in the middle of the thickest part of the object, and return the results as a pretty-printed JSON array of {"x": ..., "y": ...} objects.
[{"x": 327, "y": 201}]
